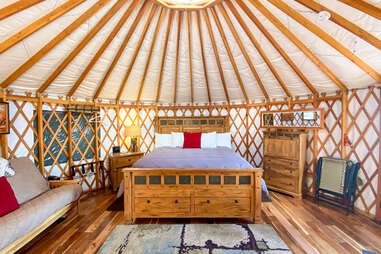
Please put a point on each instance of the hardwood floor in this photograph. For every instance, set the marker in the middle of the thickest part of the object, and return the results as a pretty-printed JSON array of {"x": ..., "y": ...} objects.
[{"x": 304, "y": 226}]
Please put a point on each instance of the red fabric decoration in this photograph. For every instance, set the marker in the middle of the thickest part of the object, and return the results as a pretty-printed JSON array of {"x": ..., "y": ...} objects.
[
  {"x": 8, "y": 201},
  {"x": 192, "y": 140}
]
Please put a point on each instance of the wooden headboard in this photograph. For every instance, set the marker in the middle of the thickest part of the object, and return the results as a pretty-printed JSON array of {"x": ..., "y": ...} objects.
[{"x": 166, "y": 125}]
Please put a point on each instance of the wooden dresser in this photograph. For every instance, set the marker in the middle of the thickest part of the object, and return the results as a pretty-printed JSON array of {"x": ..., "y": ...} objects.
[
  {"x": 117, "y": 162},
  {"x": 284, "y": 159}
]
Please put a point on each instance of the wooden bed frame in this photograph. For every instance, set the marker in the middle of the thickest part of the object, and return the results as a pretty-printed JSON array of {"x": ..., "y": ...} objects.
[{"x": 192, "y": 193}]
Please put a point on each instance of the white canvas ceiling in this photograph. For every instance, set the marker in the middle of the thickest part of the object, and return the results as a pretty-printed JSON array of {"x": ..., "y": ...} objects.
[{"x": 35, "y": 75}]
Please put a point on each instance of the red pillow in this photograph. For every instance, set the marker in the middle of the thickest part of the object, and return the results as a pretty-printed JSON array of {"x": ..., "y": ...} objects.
[
  {"x": 8, "y": 201},
  {"x": 192, "y": 140}
]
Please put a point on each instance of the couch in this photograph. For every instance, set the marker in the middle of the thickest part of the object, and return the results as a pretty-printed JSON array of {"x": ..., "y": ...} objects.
[{"x": 40, "y": 205}]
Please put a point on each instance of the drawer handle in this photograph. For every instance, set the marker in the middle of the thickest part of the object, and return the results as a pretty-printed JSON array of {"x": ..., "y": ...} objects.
[
  {"x": 208, "y": 201},
  {"x": 176, "y": 201},
  {"x": 148, "y": 201},
  {"x": 236, "y": 201}
]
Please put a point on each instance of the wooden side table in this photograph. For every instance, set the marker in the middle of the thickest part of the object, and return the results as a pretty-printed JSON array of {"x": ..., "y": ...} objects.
[{"x": 119, "y": 161}]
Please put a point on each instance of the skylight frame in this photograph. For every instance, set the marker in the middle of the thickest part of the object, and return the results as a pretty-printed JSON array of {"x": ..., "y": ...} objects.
[{"x": 199, "y": 4}]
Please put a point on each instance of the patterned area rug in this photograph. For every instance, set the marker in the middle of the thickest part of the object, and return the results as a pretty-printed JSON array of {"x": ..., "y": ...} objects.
[{"x": 194, "y": 239}]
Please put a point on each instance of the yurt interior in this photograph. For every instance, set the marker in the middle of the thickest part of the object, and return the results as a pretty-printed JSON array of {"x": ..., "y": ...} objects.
[{"x": 190, "y": 126}]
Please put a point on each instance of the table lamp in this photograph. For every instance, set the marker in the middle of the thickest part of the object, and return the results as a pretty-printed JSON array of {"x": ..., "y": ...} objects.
[{"x": 133, "y": 132}]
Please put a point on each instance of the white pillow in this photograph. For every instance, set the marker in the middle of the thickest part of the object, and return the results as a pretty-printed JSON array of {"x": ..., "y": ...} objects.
[
  {"x": 163, "y": 140},
  {"x": 177, "y": 139},
  {"x": 5, "y": 168},
  {"x": 224, "y": 139},
  {"x": 209, "y": 140}
]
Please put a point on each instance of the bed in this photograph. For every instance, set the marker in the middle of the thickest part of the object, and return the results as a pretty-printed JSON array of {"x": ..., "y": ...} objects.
[{"x": 192, "y": 183}]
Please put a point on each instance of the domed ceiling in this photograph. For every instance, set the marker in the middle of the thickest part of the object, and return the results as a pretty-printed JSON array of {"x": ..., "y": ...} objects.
[{"x": 189, "y": 51}]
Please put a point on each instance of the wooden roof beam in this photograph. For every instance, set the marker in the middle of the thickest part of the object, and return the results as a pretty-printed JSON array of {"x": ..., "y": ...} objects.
[
  {"x": 216, "y": 54},
  {"x": 101, "y": 23},
  {"x": 283, "y": 29},
  {"x": 365, "y": 7},
  {"x": 343, "y": 22},
  {"x": 140, "y": 43},
  {"x": 121, "y": 49},
  {"x": 177, "y": 56},
  {"x": 17, "y": 7},
  {"x": 327, "y": 38},
  {"x": 231, "y": 57},
  {"x": 38, "y": 24},
  {"x": 157, "y": 29},
  {"x": 203, "y": 57},
  {"x": 160, "y": 80},
  {"x": 102, "y": 49},
  {"x": 54, "y": 42},
  {"x": 242, "y": 47},
  {"x": 190, "y": 54},
  {"x": 270, "y": 38}
]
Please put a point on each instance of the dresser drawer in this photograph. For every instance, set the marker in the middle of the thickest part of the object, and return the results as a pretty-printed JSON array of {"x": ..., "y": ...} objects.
[
  {"x": 157, "y": 206},
  {"x": 281, "y": 181},
  {"x": 282, "y": 163},
  {"x": 220, "y": 207},
  {"x": 127, "y": 161}
]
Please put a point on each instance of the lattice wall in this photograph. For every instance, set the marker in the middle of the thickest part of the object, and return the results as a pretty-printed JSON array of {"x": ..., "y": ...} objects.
[{"x": 363, "y": 126}]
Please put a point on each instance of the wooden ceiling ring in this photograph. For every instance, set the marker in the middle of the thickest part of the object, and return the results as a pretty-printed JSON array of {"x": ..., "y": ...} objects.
[
  {"x": 203, "y": 57},
  {"x": 186, "y": 7},
  {"x": 150, "y": 52},
  {"x": 140, "y": 43},
  {"x": 121, "y": 49},
  {"x": 216, "y": 54},
  {"x": 104, "y": 46},
  {"x": 271, "y": 39},
  {"x": 190, "y": 54},
  {"x": 38, "y": 24},
  {"x": 17, "y": 7},
  {"x": 54, "y": 42},
  {"x": 160, "y": 80},
  {"x": 243, "y": 50},
  {"x": 364, "y": 7},
  {"x": 327, "y": 38},
  {"x": 285, "y": 31},
  {"x": 343, "y": 22},
  {"x": 177, "y": 56},
  {"x": 101, "y": 23},
  {"x": 231, "y": 57}
]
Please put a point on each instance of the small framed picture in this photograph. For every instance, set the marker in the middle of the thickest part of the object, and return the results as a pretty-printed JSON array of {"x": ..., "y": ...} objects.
[{"x": 4, "y": 118}]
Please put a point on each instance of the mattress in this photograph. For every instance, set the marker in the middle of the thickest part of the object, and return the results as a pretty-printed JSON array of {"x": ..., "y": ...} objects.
[{"x": 173, "y": 157}]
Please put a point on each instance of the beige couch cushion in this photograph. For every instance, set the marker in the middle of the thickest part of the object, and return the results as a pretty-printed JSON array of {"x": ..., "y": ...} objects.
[
  {"x": 28, "y": 182},
  {"x": 33, "y": 213}
]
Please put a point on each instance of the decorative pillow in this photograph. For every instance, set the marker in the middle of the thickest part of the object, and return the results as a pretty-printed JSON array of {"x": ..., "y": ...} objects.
[
  {"x": 163, "y": 140},
  {"x": 209, "y": 140},
  {"x": 224, "y": 139},
  {"x": 8, "y": 201},
  {"x": 177, "y": 139},
  {"x": 192, "y": 140},
  {"x": 5, "y": 168}
]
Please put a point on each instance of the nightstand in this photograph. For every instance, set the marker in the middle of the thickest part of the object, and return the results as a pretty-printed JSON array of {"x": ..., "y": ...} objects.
[
  {"x": 58, "y": 183},
  {"x": 118, "y": 161}
]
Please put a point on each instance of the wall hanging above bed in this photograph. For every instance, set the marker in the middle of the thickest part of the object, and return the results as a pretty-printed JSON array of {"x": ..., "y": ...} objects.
[{"x": 218, "y": 124}]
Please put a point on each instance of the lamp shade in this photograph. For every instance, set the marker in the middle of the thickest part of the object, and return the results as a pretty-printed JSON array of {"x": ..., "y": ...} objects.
[{"x": 132, "y": 131}]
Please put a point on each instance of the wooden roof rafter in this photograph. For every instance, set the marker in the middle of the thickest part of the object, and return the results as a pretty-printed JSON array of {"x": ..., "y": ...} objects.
[
  {"x": 160, "y": 80},
  {"x": 54, "y": 42},
  {"x": 327, "y": 38},
  {"x": 101, "y": 23},
  {"x": 177, "y": 56},
  {"x": 343, "y": 22},
  {"x": 140, "y": 43},
  {"x": 203, "y": 57},
  {"x": 243, "y": 50},
  {"x": 121, "y": 49},
  {"x": 231, "y": 57},
  {"x": 38, "y": 24},
  {"x": 157, "y": 29},
  {"x": 274, "y": 43},
  {"x": 190, "y": 54},
  {"x": 104, "y": 46},
  {"x": 17, "y": 7},
  {"x": 216, "y": 54},
  {"x": 284, "y": 30},
  {"x": 365, "y": 7}
]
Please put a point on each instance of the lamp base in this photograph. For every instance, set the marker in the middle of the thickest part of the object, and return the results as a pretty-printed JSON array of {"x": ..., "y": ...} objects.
[{"x": 134, "y": 145}]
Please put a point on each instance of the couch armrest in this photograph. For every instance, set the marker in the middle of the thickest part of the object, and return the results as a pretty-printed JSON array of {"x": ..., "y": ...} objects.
[{"x": 58, "y": 183}]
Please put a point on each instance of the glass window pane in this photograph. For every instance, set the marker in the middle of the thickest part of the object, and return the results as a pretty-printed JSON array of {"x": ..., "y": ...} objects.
[
  {"x": 154, "y": 179},
  {"x": 184, "y": 179},
  {"x": 170, "y": 179},
  {"x": 244, "y": 180},
  {"x": 229, "y": 179},
  {"x": 199, "y": 179},
  {"x": 140, "y": 179},
  {"x": 214, "y": 179}
]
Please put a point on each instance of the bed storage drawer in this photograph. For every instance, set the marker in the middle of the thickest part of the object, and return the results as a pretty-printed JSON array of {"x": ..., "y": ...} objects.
[
  {"x": 161, "y": 206},
  {"x": 244, "y": 193},
  {"x": 161, "y": 193},
  {"x": 222, "y": 207}
]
